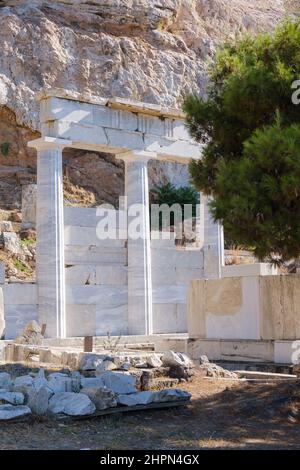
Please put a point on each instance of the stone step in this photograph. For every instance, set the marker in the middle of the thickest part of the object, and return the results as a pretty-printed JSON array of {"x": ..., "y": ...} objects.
[
  {"x": 247, "y": 374},
  {"x": 257, "y": 366}
]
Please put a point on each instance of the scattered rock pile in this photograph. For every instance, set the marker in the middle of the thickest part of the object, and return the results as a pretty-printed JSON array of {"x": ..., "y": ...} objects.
[
  {"x": 213, "y": 370},
  {"x": 103, "y": 382}
]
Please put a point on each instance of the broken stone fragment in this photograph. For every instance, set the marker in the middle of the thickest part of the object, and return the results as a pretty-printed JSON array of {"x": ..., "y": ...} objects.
[
  {"x": 104, "y": 366},
  {"x": 91, "y": 361},
  {"x": 24, "y": 381},
  {"x": 63, "y": 384},
  {"x": 172, "y": 394},
  {"x": 147, "y": 397},
  {"x": 11, "y": 242},
  {"x": 14, "y": 398},
  {"x": 102, "y": 398},
  {"x": 72, "y": 404},
  {"x": 90, "y": 382},
  {"x": 119, "y": 382},
  {"x": 6, "y": 226},
  {"x": 174, "y": 359},
  {"x": 32, "y": 334},
  {"x": 5, "y": 380},
  {"x": 10, "y": 412},
  {"x": 38, "y": 400},
  {"x": 215, "y": 371},
  {"x": 133, "y": 399},
  {"x": 203, "y": 359},
  {"x": 154, "y": 361}
]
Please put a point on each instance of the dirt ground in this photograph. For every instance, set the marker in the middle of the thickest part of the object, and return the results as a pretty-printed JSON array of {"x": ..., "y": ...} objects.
[{"x": 222, "y": 415}]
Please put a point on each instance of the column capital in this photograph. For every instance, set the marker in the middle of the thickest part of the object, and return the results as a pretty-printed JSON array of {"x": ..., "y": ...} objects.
[
  {"x": 48, "y": 143},
  {"x": 137, "y": 156}
]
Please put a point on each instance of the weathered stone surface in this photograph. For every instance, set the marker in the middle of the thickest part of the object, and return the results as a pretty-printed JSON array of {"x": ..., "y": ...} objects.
[
  {"x": 40, "y": 380},
  {"x": 203, "y": 359},
  {"x": 24, "y": 381},
  {"x": 32, "y": 334},
  {"x": 147, "y": 397},
  {"x": 14, "y": 398},
  {"x": 217, "y": 372},
  {"x": 91, "y": 382},
  {"x": 175, "y": 359},
  {"x": 6, "y": 226},
  {"x": 64, "y": 384},
  {"x": 73, "y": 404},
  {"x": 119, "y": 382},
  {"x": 39, "y": 400},
  {"x": 139, "y": 398},
  {"x": 101, "y": 397},
  {"x": 105, "y": 366},
  {"x": 172, "y": 394},
  {"x": 90, "y": 361},
  {"x": 11, "y": 242},
  {"x": 11, "y": 412},
  {"x": 5, "y": 380},
  {"x": 154, "y": 361}
]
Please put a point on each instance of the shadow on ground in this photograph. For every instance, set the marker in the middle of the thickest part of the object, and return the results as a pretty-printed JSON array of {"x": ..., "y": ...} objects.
[{"x": 222, "y": 414}]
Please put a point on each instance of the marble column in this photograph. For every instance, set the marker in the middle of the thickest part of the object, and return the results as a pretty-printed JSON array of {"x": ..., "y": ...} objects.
[
  {"x": 139, "y": 243},
  {"x": 50, "y": 265},
  {"x": 213, "y": 241}
]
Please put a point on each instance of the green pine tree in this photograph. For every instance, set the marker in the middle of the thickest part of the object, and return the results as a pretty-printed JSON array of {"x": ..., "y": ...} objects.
[{"x": 251, "y": 131}]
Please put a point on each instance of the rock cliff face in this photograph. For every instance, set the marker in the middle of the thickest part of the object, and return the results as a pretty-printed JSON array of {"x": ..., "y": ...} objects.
[{"x": 151, "y": 50}]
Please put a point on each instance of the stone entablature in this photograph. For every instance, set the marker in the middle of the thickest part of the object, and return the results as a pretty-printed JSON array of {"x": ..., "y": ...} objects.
[{"x": 116, "y": 125}]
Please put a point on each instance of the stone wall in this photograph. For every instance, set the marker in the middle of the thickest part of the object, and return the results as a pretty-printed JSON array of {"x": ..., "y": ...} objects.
[
  {"x": 96, "y": 279},
  {"x": 254, "y": 307},
  {"x": 20, "y": 306}
]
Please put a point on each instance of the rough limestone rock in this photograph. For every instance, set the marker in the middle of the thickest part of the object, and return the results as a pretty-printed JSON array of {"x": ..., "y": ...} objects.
[
  {"x": 2, "y": 320},
  {"x": 102, "y": 398},
  {"x": 11, "y": 412},
  {"x": 38, "y": 400},
  {"x": 151, "y": 50},
  {"x": 5, "y": 380},
  {"x": 119, "y": 382},
  {"x": 32, "y": 334},
  {"x": 176, "y": 359},
  {"x": 72, "y": 404},
  {"x": 14, "y": 398}
]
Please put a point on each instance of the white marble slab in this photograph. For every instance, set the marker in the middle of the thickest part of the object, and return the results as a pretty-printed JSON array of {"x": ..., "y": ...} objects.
[{"x": 20, "y": 294}]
